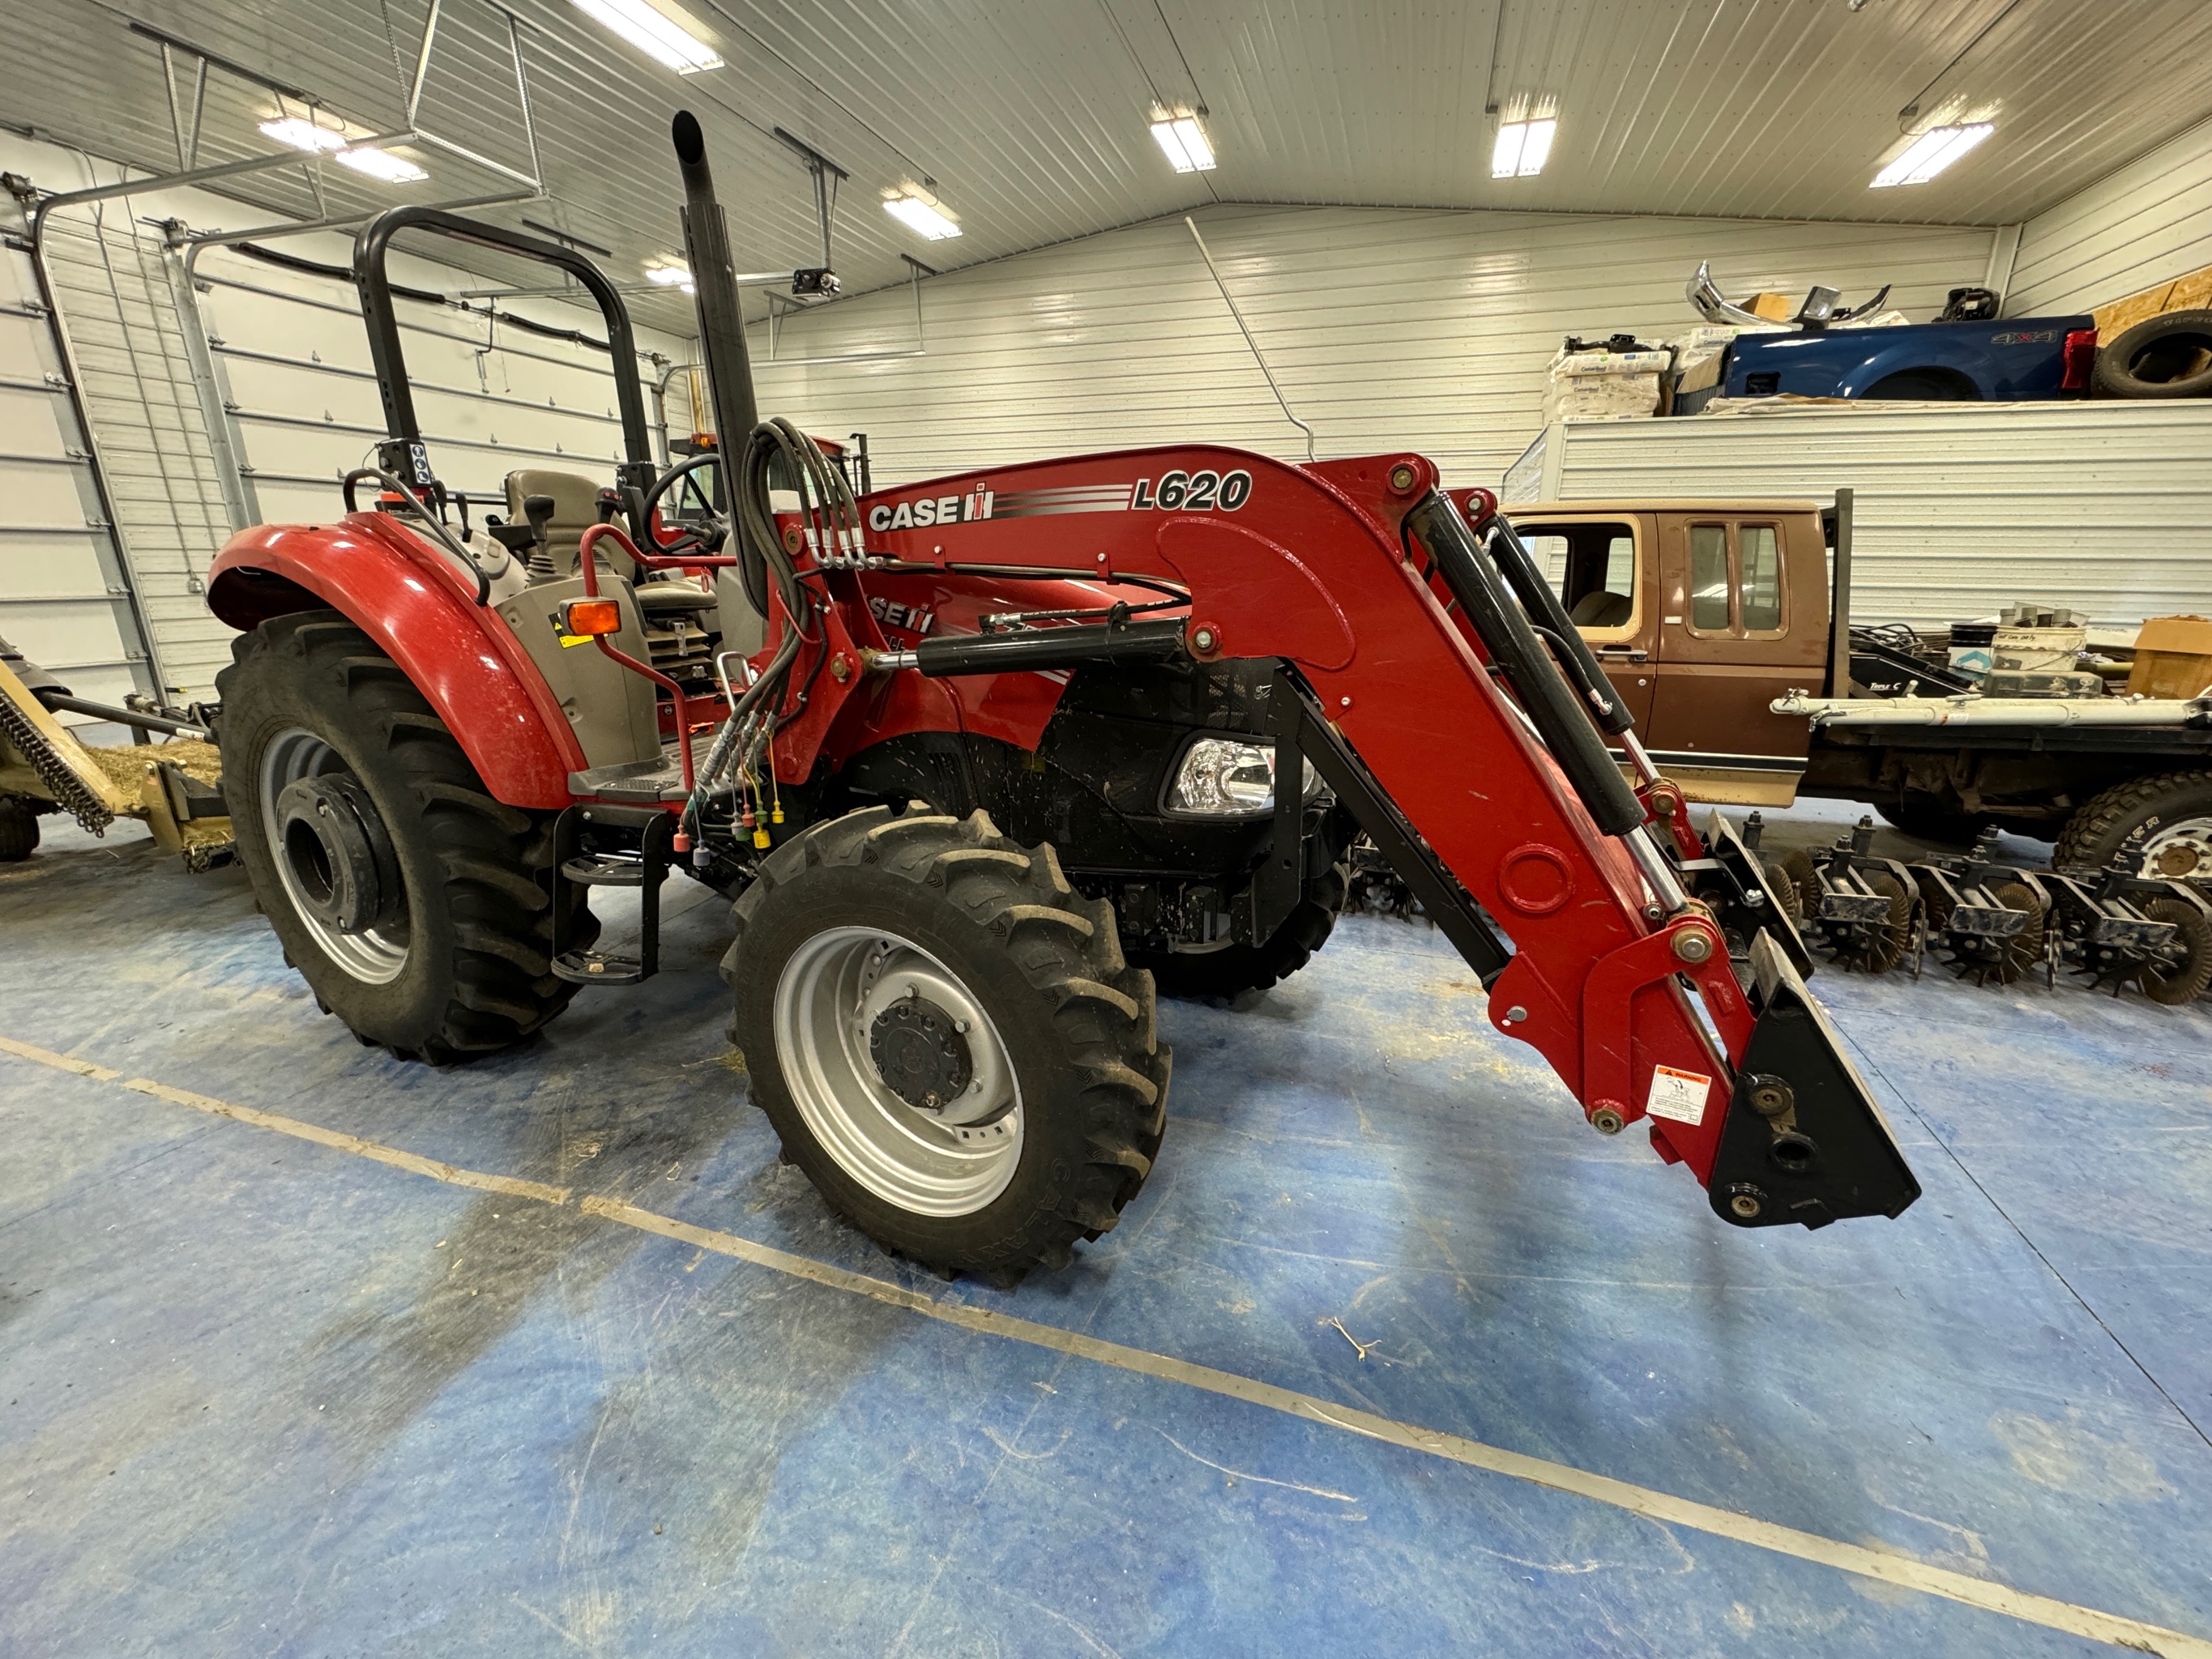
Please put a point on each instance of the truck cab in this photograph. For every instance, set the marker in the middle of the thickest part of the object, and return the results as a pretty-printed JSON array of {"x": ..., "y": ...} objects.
[{"x": 1702, "y": 613}]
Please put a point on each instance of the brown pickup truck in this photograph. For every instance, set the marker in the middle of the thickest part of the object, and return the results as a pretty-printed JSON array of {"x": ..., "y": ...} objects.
[{"x": 1705, "y": 613}]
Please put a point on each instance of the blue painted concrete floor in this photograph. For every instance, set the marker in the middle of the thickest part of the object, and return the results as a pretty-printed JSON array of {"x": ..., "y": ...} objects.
[{"x": 261, "y": 1396}]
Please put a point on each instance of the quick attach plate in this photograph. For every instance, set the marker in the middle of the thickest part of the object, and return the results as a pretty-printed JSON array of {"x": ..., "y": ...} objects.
[{"x": 1803, "y": 1141}]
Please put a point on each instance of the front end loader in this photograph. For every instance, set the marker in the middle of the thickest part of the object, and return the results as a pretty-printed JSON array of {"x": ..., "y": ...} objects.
[{"x": 981, "y": 760}]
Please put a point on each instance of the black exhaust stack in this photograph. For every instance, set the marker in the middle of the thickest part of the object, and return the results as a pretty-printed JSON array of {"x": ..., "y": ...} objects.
[{"x": 715, "y": 278}]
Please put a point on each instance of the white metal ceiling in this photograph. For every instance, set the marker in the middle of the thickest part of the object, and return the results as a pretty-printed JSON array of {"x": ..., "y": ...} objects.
[{"x": 1030, "y": 115}]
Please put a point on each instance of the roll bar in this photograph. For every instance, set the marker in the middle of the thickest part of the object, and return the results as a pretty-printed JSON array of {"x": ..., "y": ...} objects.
[{"x": 404, "y": 453}]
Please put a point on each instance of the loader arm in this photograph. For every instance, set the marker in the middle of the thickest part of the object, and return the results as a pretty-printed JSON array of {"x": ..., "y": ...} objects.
[{"x": 1467, "y": 749}]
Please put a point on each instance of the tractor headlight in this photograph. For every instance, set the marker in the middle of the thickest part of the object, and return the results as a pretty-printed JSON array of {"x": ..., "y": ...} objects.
[{"x": 1228, "y": 778}]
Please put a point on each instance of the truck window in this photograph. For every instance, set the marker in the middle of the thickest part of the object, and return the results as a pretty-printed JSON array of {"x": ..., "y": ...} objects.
[
  {"x": 1592, "y": 567},
  {"x": 1761, "y": 553},
  {"x": 1709, "y": 578}
]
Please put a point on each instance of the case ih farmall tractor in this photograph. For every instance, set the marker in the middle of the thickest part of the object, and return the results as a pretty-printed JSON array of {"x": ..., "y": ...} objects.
[{"x": 981, "y": 761}]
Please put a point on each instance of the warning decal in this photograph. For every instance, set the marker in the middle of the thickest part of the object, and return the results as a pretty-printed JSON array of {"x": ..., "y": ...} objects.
[{"x": 1678, "y": 1097}]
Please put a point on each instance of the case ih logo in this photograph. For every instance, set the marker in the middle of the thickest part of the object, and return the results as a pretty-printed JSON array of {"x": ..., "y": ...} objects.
[{"x": 1175, "y": 492}]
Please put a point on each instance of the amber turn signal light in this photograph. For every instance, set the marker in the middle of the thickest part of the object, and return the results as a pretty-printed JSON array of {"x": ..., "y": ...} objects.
[{"x": 590, "y": 617}]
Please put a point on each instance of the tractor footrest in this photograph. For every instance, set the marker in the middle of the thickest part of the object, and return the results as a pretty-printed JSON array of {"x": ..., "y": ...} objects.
[
  {"x": 599, "y": 968},
  {"x": 604, "y": 870}
]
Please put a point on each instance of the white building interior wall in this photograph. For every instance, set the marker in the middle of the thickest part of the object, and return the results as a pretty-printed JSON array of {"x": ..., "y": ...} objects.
[
  {"x": 2149, "y": 222},
  {"x": 1388, "y": 329},
  {"x": 291, "y": 356}
]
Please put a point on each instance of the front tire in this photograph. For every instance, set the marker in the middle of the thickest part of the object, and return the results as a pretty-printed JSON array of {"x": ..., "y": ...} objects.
[
  {"x": 1235, "y": 969},
  {"x": 435, "y": 940},
  {"x": 947, "y": 1038}
]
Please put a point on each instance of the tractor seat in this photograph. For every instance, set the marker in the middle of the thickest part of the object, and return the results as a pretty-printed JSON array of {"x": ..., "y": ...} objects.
[
  {"x": 1601, "y": 609},
  {"x": 673, "y": 593},
  {"x": 575, "y": 509}
]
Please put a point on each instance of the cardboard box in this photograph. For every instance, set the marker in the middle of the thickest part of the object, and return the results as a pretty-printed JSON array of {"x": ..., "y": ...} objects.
[
  {"x": 1775, "y": 308},
  {"x": 2173, "y": 658}
]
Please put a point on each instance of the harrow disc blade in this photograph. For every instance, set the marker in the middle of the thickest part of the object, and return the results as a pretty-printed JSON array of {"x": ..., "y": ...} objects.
[
  {"x": 2003, "y": 961},
  {"x": 2184, "y": 979}
]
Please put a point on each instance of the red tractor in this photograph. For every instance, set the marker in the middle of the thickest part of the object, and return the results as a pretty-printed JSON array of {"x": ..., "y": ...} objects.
[{"x": 980, "y": 762}]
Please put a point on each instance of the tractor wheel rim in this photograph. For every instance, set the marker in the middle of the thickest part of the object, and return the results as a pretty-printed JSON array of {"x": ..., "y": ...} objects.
[
  {"x": 2179, "y": 851},
  {"x": 376, "y": 957},
  {"x": 952, "y": 1161}
]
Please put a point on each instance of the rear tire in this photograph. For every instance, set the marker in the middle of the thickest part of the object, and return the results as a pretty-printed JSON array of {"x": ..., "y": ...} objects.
[
  {"x": 460, "y": 966},
  {"x": 1235, "y": 968},
  {"x": 1032, "y": 1105},
  {"x": 19, "y": 829}
]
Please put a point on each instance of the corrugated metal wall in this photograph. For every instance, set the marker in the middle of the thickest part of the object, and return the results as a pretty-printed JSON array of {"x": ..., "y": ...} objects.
[
  {"x": 491, "y": 398},
  {"x": 1387, "y": 329},
  {"x": 127, "y": 341},
  {"x": 1960, "y": 508},
  {"x": 64, "y": 599},
  {"x": 2148, "y": 222},
  {"x": 290, "y": 359}
]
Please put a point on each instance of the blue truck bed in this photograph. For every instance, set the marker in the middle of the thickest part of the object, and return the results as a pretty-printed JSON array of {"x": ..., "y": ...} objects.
[{"x": 1994, "y": 361}]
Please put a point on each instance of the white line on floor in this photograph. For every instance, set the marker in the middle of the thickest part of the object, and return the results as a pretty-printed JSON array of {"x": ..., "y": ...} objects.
[{"x": 1909, "y": 1572}]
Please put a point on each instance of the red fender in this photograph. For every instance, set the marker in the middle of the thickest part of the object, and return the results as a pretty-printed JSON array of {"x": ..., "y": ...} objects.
[{"x": 415, "y": 605}]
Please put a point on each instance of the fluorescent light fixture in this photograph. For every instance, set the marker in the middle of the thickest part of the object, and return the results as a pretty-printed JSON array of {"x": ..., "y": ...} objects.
[
  {"x": 303, "y": 135},
  {"x": 670, "y": 275},
  {"x": 381, "y": 165},
  {"x": 920, "y": 215},
  {"x": 1521, "y": 149},
  {"x": 1931, "y": 153},
  {"x": 654, "y": 33},
  {"x": 1184, "y": 142}
]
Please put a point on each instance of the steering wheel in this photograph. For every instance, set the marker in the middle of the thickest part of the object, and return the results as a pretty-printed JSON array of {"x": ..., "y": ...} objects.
[{"x": 683, "y": 478}]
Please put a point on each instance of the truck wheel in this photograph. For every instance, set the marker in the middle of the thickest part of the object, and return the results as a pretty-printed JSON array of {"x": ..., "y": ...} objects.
[
  {"x": 1235, "y": 968},
  {"x": 1925, "y": 819},
  {"x": 19, "y": 829},
  {"x": 409, "y": 899},
  {"x": 2166, "y": 818},
  {"x": 947, "y": 1038},
  {"x": 2169, "y": 356}
]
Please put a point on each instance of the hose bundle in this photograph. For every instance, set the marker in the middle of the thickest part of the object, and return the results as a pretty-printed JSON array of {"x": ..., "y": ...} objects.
[{"x": 829, "y": 521}]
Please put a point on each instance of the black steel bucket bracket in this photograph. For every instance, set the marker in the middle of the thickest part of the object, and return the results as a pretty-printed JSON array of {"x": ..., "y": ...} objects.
[{"x": 1803, "y": 1141}]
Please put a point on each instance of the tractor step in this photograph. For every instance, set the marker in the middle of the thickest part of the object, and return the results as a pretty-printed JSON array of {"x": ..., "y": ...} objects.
[
  {"x": 600, "y": 968},
  {"x": 645, "y": 869},
  {"x": 643, "y": 782}
]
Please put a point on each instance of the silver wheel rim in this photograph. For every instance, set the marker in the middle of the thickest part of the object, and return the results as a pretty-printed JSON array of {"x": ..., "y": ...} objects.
[
  {"x": 2179, "y": 851},
  {"x": 948, "y": 1163},
  {"x": 375, "y": 957}
]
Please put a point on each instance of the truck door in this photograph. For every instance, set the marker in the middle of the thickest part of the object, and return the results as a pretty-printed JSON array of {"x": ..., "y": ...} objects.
[
  {"x": 1605, "y": 570},
  {"x": 1743, "y": 620}
]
